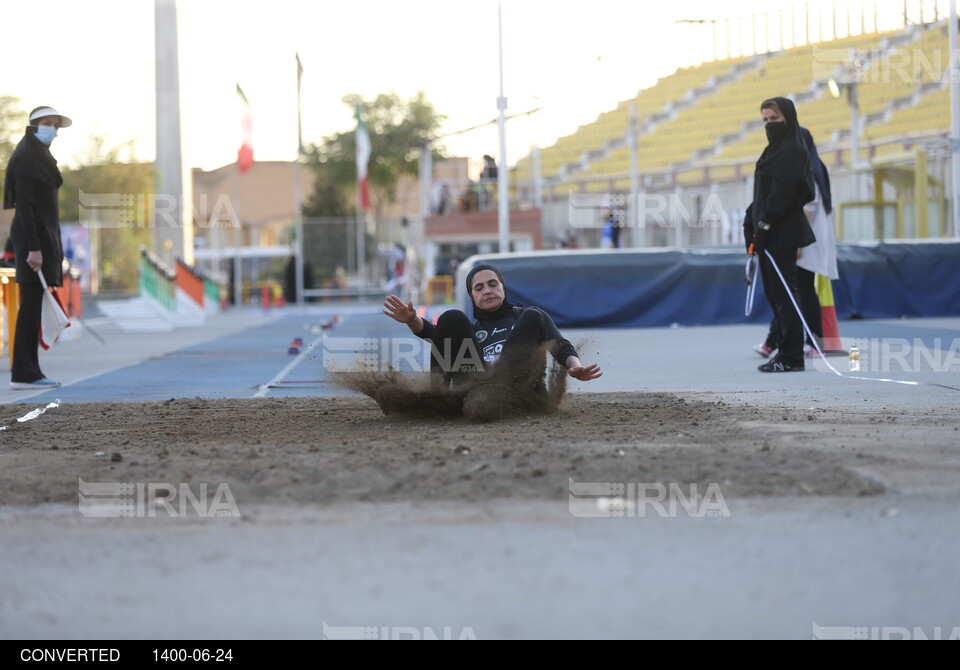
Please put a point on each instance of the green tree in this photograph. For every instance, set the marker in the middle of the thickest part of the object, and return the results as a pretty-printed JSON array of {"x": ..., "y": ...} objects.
[
  {"x": 112, "y": 170},
  {"x": 328, "y": 198},
  {"x": 326, "y": 233},
  {"x": 398, "y": 129},
  {"x": 12, "y": 122}
]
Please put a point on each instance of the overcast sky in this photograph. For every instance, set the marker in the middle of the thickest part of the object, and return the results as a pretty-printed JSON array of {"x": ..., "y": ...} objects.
[{"x": 93, "y": 60}]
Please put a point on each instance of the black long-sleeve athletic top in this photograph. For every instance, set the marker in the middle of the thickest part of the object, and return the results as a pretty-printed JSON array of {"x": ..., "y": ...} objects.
[{"x": 492, "y": 331}]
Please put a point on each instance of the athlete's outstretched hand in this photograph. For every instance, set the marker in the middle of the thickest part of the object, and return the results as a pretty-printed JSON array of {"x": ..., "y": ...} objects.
[
  {"x": 585, "y": 374},
  {"x": 395, "y": 308}
]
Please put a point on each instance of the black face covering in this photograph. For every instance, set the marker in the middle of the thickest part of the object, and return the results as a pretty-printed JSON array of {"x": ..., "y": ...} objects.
[
  {"x": 787, "y": 158},
  {"x": 775, "y": 130}
]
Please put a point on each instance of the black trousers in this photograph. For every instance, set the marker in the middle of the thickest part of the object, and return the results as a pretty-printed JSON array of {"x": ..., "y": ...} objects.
[
  {"x": 788, "y": 324},
  {"x": 26, "y": 341},
  {"x": 809, "y": 305},
  {"x": 456, "y": 350}
]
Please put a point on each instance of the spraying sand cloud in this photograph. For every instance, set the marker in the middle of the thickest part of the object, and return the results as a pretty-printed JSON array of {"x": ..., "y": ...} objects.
[{"x": 516, "y": 385}]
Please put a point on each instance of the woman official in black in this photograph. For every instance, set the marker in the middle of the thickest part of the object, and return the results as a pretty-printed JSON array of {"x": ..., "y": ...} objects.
[
  {"x": 31, "y": 187},
  {"x": 775, "y": 222},
  {"x": 817, "y": 258},
  {"x": 500, "y": 330}
]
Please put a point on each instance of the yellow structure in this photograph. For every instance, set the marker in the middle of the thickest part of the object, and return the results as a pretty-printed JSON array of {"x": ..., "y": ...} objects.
[
  {"x": 11, "y": 305},
  {"x": 916, "y": 191},
  {"x": 439, "y": 290}
]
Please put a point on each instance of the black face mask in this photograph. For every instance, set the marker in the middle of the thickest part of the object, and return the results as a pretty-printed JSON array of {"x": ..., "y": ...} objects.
[{"x": 775, "y": 130}]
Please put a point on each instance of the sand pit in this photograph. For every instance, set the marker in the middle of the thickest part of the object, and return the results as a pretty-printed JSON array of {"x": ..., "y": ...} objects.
[
  {"x": 527, "y": 384},
  {"x": 343, "y": 449}
]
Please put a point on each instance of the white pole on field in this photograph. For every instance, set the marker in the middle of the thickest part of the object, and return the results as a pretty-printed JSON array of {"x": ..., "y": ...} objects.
[
  {"x": 955, "y": 117},
  {"x": 502, "y": 173},
  {"x": 299, "y": 247},
  {"x": 169, "y": 231}
]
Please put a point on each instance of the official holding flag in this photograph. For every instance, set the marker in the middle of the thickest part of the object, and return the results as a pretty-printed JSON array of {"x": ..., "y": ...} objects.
[{"x": 31, "y": 188}]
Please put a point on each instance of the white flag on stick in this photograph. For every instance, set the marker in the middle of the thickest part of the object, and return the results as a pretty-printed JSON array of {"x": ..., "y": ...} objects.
[{"x": 53, "y": 319}]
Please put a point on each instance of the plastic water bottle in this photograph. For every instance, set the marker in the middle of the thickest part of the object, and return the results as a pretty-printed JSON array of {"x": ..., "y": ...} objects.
[{"x": 854, "y": 358}]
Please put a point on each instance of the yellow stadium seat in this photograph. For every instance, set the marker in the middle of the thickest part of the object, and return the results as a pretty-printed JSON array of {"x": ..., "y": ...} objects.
[{"x": 734, "y": 107}]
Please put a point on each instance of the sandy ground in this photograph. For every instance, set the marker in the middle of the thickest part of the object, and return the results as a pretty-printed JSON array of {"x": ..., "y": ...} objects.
[
  {"x": 843, "y": 500},
  {"x": 343, "y": 449}
]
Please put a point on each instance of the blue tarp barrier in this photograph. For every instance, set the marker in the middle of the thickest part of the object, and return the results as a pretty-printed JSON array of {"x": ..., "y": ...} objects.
[{"x": 699, "y": 287}]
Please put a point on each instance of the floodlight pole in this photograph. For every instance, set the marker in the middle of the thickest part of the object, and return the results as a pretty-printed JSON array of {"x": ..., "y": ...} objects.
[
  {"x": 955, "y": 117},
  {"x": 170, "y": 236}
]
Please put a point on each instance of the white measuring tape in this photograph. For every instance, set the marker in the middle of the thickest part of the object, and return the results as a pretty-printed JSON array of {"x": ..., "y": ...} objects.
[
  {"x": 30, "y": 416},
  {"x": 813, "y": 339}
]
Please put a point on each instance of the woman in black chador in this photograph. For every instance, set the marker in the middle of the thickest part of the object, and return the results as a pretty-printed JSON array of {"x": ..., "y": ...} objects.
[
  {"x": 31, "y": 186},
  {"x": 775, "y": 223}
]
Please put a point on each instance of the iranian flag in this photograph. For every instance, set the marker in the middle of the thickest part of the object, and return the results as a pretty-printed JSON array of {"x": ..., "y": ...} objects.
[
  {"x": 245, "y": 153},
  {"x": 363, "y": 159}
]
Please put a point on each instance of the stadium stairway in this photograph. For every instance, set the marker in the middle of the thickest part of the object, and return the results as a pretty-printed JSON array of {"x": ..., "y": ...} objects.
[{"x": 145, "y": 315}]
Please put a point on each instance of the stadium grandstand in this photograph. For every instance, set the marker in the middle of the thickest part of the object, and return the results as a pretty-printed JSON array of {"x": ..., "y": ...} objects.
[{"x": 698, "y": 135}]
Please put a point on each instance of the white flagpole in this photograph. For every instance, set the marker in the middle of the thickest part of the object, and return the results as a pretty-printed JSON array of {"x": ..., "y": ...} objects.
[
  {"x": 299, "y": 246},
  {"x": 502, "y": 173}
]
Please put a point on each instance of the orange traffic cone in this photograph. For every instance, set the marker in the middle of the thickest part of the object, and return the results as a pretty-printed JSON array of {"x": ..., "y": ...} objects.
[{"x": 832, "y": 344}]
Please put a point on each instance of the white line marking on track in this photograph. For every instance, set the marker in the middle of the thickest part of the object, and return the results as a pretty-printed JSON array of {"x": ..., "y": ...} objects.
[{"x": 265, "y": 388}]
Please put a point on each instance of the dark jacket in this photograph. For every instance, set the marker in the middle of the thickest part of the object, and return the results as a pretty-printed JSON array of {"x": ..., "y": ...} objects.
[
  {"x": 31, "y": 186},
  {"x": 783, "y": 184}
]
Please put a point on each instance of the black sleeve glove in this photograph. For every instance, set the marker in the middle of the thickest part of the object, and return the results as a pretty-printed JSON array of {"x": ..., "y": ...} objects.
[{"x": 760, "y": 240}]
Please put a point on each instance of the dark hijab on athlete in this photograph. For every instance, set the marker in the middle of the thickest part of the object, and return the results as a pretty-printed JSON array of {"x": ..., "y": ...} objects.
[{"x": 482, "y": 314}]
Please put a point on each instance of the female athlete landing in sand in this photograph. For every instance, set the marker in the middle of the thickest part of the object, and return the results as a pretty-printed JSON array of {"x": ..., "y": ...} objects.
[
  {"x": 501, "y": 330},
  {"x": 493, "y": 364}
]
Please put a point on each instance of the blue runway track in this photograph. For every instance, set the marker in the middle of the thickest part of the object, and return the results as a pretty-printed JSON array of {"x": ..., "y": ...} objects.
[{"x": 254, "y": 363}]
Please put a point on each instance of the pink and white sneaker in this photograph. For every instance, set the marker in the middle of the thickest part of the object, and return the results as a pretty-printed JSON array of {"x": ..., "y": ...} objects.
[{"x": 763, "y": 349}]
